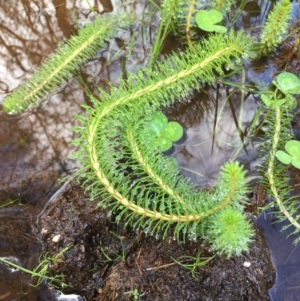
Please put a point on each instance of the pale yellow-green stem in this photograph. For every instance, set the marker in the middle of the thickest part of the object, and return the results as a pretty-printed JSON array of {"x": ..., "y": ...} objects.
[{"x": 271, "y": 169}]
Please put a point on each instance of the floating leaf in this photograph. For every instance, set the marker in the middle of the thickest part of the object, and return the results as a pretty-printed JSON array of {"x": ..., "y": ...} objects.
[
  {"x": 288, "y": 83},
  {"x": 293, "y": 156},
  {"x": 172, "y": 131},
  {"x": 171, "y": 162},
  {"x": 296, "y": 163},
  {"x": 283, "y": 157},
  {"x": 252, "y": 8},
  {"x": 158, "y": 122},
  {"x": 293, "y": 148},
  {"x": 162, "y": 143},
  {"x": 162, "y": 133},
  {"x": 207, "y": 19}
]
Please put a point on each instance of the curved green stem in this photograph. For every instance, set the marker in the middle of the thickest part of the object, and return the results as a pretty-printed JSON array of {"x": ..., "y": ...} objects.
[
  {"x": 139, "y": 210},
  {"x": 270, "y": 171}
]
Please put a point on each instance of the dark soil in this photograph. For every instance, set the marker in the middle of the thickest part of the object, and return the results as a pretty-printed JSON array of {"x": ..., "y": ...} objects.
[{"x": 107, "y": 261}]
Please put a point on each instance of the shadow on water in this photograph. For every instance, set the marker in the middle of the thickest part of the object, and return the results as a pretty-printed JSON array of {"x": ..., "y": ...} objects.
[
  {"x": 285, "y": 256},
  {"x": 35, "y": 147}
]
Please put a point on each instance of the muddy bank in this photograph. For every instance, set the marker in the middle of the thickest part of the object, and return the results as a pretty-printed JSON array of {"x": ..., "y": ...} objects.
[{"x": 107, "y": 261}]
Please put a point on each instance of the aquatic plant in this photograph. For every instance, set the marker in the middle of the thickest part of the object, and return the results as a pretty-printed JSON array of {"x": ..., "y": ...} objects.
[
  {"x": 135, "y": 180},
  {"x": 288, "y": 83},
  {"x": 41, "y": 271},
  {"x": 207, "y": 20},
  {"x": 292, "y": 154},
  {"x": 122, "y": 136},
  {"x": 161, "y": 133},
  {"x": 278, "y": 135},
  {"x": 222, "y": 6},
  {"x": 62, "y": 64},
  {"x": 276, "y": 26},
  {"x": 197, "y": 262}
]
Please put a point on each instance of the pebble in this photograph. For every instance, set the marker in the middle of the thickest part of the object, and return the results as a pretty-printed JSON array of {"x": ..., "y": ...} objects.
[
  {"x": 56, "y": 238},
  {"x": 44, "y": 231},
  {"x": 246, "y": 264}
]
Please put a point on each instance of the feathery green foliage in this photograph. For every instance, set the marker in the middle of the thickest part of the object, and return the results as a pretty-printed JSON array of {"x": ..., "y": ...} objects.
[
  {"x": 276, "y": 172},
  {"x": 42, "y": 270},
  {"x": 280, "y": 103},
  {"x": 276, "y": 26},
  {"x": 225, "y": 228},
  {"x": 61, "y": 65},
  {"x": 139, "y": 183},
  {"x": 222, "y": 6}
]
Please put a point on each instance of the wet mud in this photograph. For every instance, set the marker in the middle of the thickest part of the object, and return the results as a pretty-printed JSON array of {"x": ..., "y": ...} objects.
[{"x": 107, "y": 261}]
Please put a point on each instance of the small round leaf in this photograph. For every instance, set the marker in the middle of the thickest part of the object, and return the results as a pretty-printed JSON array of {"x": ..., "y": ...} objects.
[
  {"x": 173, "y": 131},
  {"x": 293, "y": 148},
  {"x": 220, "y": 29},
  {"x": 296, "y": 163},
  {"x": 171, "y": 162},
  {"x": 158, "y": 122},
  {"x": 162, "y": 143},
  {"x": 288, "y": 83},
  {"x": 283, "y": 157},
  {"x": 206, "y": 20}
]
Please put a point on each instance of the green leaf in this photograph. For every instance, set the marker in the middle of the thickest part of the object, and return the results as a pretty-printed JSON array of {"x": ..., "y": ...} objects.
[
  {"x": 266, "y": 100},
  {"x": 291, "y": 101},
  {"x": 158, "y": 122},
  {"x": 293, "y": 148},
  {"x": 220, "y": 29},
  {"x": 173, "y": 131},
  {"x": 278, "y": 102},
  {"x": 288, "y": 83},
  {"x": 283, "y": 157},
  {"x": 296, "y": 163},
  {"x": 162, "y": 143},
  {"x": 206, "y": 20}
]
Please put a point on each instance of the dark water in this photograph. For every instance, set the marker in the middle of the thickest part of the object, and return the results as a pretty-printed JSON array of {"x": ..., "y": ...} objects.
[
  {"x": 35, "y": 148},
  {"x": 214, "y": 124}
]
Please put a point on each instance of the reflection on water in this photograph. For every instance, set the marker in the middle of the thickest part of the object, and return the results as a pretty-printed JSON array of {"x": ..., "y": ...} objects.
[
  {"x": 35, "y": 147},
  {"x": 216, "y": 124}
]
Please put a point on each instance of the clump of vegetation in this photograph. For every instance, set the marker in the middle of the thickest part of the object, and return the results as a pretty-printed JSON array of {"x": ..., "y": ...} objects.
[
  {"x": 122, "y": 136},
  {"x": 280, "y": 103},
  {"x": 276, "y": 27},
  {"x": 41, "y": 272},
  {"x": 61, "y": 65}
]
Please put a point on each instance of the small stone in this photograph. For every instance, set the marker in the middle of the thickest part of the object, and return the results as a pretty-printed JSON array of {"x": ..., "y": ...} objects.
[
  {"x": 56, "y": 238},
  {"x": 246, "y": 264},
  {"x": 44, "y": 231}
]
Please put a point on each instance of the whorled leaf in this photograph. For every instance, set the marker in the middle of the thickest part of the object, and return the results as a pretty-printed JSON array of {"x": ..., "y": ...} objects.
[{"x": 140, "y": 183}]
